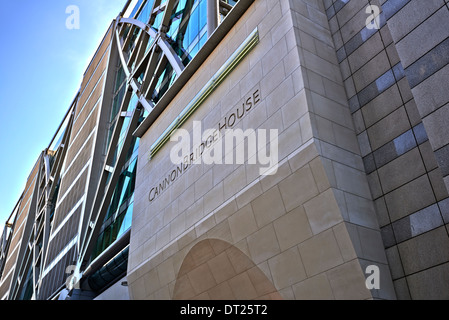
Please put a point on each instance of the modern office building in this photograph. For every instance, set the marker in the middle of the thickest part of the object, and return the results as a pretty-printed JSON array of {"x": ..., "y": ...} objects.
[{"x": 252, "y": 149}]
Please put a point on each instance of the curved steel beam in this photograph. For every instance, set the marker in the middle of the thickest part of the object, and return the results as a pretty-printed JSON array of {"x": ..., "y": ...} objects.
[
  {"x": 171, "y": 55},
  {"x": 161, "y": 41},
  {"x": 132, "y": 82},
  {"x": 121, "y": 55},
  {"x": 140, "y": 25},
  {"x": 175, "y": 61}
]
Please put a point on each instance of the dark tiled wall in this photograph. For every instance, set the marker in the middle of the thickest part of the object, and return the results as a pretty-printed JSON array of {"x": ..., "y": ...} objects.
[
  {"x": 424, "y": 26},
  {"x": 380, "y": 67}
]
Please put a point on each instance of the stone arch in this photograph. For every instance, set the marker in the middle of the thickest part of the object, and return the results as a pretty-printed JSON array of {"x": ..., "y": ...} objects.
[{"x": 215, "y": 269}]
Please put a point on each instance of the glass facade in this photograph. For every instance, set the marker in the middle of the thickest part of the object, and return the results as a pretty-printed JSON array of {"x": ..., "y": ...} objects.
[
  {"x": 119, "y": 214},
  {"x": 188, "y": 29},
  {"x": 186, "y": 34},
  {"x": 77, "y": 207},
  {"x": 68, "y": 226}
]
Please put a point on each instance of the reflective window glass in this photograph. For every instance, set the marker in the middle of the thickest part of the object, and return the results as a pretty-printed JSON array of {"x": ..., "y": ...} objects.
[{"x": 144, "y": 15}]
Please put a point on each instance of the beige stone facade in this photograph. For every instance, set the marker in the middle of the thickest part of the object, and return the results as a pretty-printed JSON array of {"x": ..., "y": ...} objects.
[
  {"x": 343, "y": 188},
  {"x": 225, "y": 231}
]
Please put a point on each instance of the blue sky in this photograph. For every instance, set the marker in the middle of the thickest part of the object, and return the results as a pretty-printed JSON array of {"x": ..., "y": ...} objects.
[{"x": 41, "y": 67}]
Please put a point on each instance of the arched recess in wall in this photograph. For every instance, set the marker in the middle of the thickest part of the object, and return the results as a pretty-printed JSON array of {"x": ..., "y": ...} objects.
[{"x": 214, "y": 269}]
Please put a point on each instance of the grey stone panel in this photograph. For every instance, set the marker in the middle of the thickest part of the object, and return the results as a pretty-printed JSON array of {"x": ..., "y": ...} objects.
[
  {"x": 391, "y": 7},
  {"x": 429, "y": 64},
  {"x": 442, "y": 156},
  {"x": 412, "y": 15},
  {"x": 393, "y": 133},
  {"x": 388, "y": 236},
  {"x": 422, "y": 284},
  {"x": 398, "y": 146},
  {"x": 417, "y": 223},
  {"x": 410, "y": 198},
  {"x": 420, "y": 133},
  {"x": 369, "y": 163},
  {"x": 427, "y": 98},
  {"x": 423, "y": 38},
  {"x": 425, "y": 251},
  {"x": 444, "y": 208},
  {"x": 402, "y": 289},
  {"x": 437, "y": 127},
  {"x": 377, "y": 87}
]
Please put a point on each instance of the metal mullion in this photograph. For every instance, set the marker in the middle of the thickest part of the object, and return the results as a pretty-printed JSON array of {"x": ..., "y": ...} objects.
[
  {"x": 148, "y": 105},
  {"x": 144, "y": 62},
  {"x": 225, "y": 5},
  {"x": 110, "y": 188},
  {"x": 139, "y": 11},
  {"x": 212, "y": 16},
  {"x": 153, "y": 14},
  {"x": 131, "y": 81},
  {"x": 21, "y": 276},
  {"x": 122, "y": 56},
  {"x": 21, "y": 266},
  {"x": 172, "y": 56},
  {"x": 47, "y": 176},
  {"x": 139, "y": 24},
  {"x": 46, "y": 164},
  {"x": 109, "y": 156},
  {"x": 134, "y": 53},
  {"x": 127, "y": 40},
  {"x": 142, "y": 48},
  {"x": 167, "y": 15},
  {"x": 174, "y": 59},
  {"x": 121, "y": 31},
  {"x": 159, "y": 8},
  {"x": 20, "y": 261},
  {"x": 125, "y": 8},
  {"x": 149, "y": 72},
  {"x": 117, "y": 129},
  {"x": 156, "y": 75},
  {"x": 61, "y": 158},
  {"x": 7, "y": 241},
  {"x": 46, "y": 234}
]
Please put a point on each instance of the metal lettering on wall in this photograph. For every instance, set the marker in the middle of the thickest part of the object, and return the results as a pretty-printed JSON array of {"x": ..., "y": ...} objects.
[
  {"x": 247, "y": 105},
  {"x": 214, "y": 82}
]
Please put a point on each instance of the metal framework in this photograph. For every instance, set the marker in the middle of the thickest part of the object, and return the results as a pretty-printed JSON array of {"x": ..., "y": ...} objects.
[
  {"x": 145, "y": 51},
  {"x": 143, "y": 65},
  {"x": 6, "y": 237},
  {"x": 42, "y": 206}
]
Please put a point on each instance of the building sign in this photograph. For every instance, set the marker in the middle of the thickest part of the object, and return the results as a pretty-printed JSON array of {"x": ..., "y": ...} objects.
[{"x": 203, "y": 142}]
